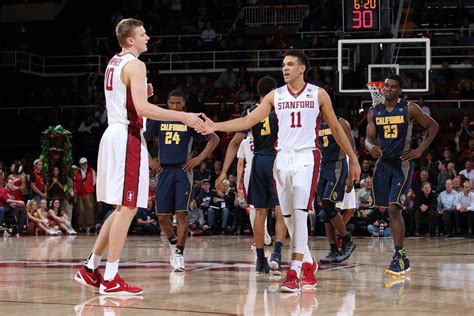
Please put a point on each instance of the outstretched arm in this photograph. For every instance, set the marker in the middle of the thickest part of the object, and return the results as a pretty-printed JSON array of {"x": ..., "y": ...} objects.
[
  {"x": 415, "y": 112},
  {"x": 328, "y": 115},
  {"x": 135, "y": 78},
  {"x": 242, "y": 123}
]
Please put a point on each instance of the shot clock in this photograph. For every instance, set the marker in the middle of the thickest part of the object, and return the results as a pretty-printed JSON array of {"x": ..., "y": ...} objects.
[{"x": 361, "y": 15}]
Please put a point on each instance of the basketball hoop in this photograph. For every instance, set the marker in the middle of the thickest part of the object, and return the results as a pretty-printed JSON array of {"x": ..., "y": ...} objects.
[{"x": 376, "y": 91}]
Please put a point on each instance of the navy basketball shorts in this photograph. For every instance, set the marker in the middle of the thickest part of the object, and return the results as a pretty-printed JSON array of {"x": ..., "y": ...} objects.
[
  {"x": 392, "y": 180},
  {"x": 173, "y": 190},
  {"x": 261, "y": 191},
  {"x": 332, "y": 180}
]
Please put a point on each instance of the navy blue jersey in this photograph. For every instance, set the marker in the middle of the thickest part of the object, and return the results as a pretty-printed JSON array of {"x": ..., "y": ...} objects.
[
  {"x": 265, "y": 133},
  {"x": 393, "y": 128},
  {"x": 174, "y": 138},
  {"x": 330, "y": 150}
]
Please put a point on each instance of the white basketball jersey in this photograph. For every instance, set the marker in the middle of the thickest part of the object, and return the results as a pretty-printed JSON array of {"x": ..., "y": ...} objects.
[
  {"x": 246, "y": 152},
  {"x": 118, "y": 98},
  {"x": 298, "y": 117}
]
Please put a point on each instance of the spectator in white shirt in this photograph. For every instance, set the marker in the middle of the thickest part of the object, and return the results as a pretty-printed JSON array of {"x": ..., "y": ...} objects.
[
  {"x": 447, "y": 206},
  {"x": 468, "y": 172},
  {"x": 208, "y": 35},
  {"x": 465, "y": 207}
]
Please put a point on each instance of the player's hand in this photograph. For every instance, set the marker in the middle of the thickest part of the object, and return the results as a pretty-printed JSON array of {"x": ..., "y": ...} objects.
[
  {"x": 208, "y": 127},
  {"x": 155, "y": 166},
  {"x": 149, "y": 89},
  {"x": 411, "y": 154},
  {"x": 219, "y": 181},
  {"x": 349, "y": 184},
  {"x": 354, "y": 171},
  {"x": 191, "y": 164},
  {"x": 376, "y": 152},
  {"x": 240, "y": 186},
  {"x": 194, "y": 120}
]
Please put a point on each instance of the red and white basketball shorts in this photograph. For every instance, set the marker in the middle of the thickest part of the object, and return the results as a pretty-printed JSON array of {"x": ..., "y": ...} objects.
[
  {"x": 122, "y": 168},
  {"x": 296, "y": 176}
]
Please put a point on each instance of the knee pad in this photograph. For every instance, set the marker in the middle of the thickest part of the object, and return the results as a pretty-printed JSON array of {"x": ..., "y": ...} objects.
[{"x": 329, "y": 210}]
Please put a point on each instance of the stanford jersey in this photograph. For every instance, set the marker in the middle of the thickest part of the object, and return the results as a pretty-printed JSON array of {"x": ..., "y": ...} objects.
[
  {"x": 298, "y": 117},
  {"x": 120, "y": 107}
]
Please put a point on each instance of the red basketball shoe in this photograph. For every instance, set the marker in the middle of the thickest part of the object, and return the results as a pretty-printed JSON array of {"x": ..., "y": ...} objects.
[
  {"x": 308, "y": 277},
  {"x": 87, "y": 278},
  {"x": 291, "y": 283},
  {"x": 117, "y": 286}
]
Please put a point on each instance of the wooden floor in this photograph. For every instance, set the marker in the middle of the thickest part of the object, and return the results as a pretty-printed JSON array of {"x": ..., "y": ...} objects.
[{"x": 36, "y": 279}]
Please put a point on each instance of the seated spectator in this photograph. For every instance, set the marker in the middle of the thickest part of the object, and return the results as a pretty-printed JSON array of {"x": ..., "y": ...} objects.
[
  {"x": 364, "y": 197},
  {"x": 366, "y": 169},
  {"x": 208, "y": 35},
  {"x": 468, "y": 172},
  {"x": 57, "y": 219},
  {"x": 457, "y": 184},
  {"x": 197, "y": 224},
  {"x": 226, "y": 79},
  {"x": 425, "y": 210},
  {"x": 36, "y": 222},
  {"x": 147, "y": 222},
  {"x": 222, "y": 203},
  {"x": 443, "y": 175},
  {"x": 465, "y": 209},
  {"x": 204, "y": 197},
  {"x": 451, "y": 167},
  {"x": 380, "y": 220},
  {"x": 18, "y": 181},
  {"x": 202, "y": 173},
  {"x": 423, "y": 177},
  {"x": 12, "y": 208},
  {"x": 447, "y": 207}
]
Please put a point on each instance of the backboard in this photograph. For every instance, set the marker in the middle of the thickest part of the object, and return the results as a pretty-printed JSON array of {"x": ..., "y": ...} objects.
[{"x": 367, "y": 60}]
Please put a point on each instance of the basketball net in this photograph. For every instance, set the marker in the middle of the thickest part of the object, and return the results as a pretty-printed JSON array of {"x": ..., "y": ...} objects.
[{"x": 376, "y": 91}]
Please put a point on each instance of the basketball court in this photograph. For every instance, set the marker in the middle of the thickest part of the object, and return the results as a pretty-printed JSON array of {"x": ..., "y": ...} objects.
[{"x": 37, "y": 279}]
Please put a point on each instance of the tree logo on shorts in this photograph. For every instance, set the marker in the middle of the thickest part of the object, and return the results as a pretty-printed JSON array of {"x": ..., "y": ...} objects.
[{"x": 130, "y": 196}]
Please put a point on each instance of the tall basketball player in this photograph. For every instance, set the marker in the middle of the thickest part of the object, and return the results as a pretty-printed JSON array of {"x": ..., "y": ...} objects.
[
  {"x": 299, "y": 107},
  {"x": 174, "y": 185},
  {"x": 334, "y": 187},
  {"x": 122, "y": 171},
  {"x": 392, "y": 123}
]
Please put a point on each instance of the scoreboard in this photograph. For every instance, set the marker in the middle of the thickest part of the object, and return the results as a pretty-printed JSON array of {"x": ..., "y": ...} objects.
[{"x": 361, "y": 15}]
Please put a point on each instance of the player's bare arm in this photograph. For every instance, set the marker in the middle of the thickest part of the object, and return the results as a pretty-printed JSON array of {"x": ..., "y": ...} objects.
[
  {"x": 370, "y": 137},
  {"x": 339, "y": 135},
  {"x": 212, "y": 143},
  {"x": 246, "y": 122},
  {"x": 134, "y": 76},
  {"x": 240, "y": 175},
  {"x": 347, "y": 130},
  {"x": 230, "y": 155},
  {"x": 415, "y": 112}
]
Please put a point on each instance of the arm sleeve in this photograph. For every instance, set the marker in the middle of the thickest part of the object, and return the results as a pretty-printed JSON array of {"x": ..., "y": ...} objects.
[{"x": 240, "y": 153}]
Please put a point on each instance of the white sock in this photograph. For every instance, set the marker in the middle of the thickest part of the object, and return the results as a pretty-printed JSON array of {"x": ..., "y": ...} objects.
[
  {"x": 252, "y": 213},
  {"x": 111, "y": 269},
  {"x": 93, "y": 261},
  {"x": 307, "y": 257},
  {"x": 296, "y": 265}
]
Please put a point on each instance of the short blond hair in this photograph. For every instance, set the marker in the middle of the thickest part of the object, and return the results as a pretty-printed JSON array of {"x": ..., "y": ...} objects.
[{"x": 126, "y": 28}]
